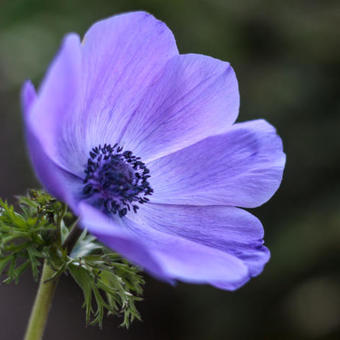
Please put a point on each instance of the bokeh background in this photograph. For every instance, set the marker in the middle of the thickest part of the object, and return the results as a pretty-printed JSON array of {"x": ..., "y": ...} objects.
[{"x": 286, "y": 55}]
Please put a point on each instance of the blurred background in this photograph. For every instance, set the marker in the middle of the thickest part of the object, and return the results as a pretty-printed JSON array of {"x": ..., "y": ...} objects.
[{"x": 287, "y": 58}]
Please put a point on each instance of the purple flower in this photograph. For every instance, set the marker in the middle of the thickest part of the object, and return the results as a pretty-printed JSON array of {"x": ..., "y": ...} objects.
[{"x": 140, "y": 142}]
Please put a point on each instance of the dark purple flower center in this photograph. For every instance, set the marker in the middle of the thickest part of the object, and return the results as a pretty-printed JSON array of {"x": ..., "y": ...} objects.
[{"x": 116, "y": 181}]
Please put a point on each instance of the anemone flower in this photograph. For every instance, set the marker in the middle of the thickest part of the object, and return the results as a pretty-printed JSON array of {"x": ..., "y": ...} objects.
[{"x": 141, "y": 142}]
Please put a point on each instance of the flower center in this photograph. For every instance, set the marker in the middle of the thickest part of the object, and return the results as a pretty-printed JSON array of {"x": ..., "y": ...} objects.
[{"x": 116, "y": 181}]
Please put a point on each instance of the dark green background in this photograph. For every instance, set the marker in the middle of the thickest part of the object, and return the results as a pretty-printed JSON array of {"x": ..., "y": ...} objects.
[{"x": 286, "y": 56}]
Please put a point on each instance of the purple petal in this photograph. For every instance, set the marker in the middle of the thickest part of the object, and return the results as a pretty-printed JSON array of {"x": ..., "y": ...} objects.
[
  {"x": 164, "y": 255},
  {"x": 28, "y": 97},
  {"x": 123, "y": 56},
  {"x": 56, "y": 181},
  {"x": 183, "y": 258},
  {"x": 242, "y": 167},
  {"x": 113, "y": 233},
  {"x": 51, "y": 117},
  {"x": 91, "y": 90},
  {"x": 195, "y": 97},
  {"x": 228, "y": 229}
]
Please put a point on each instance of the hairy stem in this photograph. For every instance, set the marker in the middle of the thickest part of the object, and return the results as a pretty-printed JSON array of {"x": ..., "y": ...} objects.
[
  {"x": 46, "y": 290},
  {"x": 42, "y": 304},
  {"x": 59, "y": 222},
  {"x": 72, "y": 237}
]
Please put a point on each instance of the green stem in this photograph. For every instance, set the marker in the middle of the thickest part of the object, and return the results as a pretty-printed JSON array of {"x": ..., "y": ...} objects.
[
  {"x": 42, "y": 304},
  {"x": 60, "y": 220},
  {"x": 72, "y": 237}
]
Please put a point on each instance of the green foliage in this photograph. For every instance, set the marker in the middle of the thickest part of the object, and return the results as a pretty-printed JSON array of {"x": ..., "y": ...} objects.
[
  {"x": 37, "y": 230},
  {"x": 26, "y": 236},
  {"x": 111, "y": 281}
]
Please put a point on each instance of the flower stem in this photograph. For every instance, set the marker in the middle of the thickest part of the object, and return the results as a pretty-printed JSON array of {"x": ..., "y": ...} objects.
[
  {"x": 42, "y": 304},
  {"x": 59, "y": 221},
  {"x": 72, "y": 237}
]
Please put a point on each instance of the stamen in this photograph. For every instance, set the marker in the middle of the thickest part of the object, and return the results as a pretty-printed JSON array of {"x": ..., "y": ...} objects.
[{"x": 116, "y": 181}]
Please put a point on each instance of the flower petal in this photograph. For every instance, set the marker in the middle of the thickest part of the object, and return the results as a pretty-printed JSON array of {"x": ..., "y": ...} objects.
[
  {"x": 51, "y": 119},
  {"x": 113, "y": 233},
  {"x": 163, "y": 255},
  {"x": 123, "y": 56},
  {"x": 184, "y": 258},
  {"x": 91, "y": 90},
  {"x": 56, "y": 180},
  {"x": 28, "y": 97},
  {"x": 195, "y": 97},
  {"x": 242, "y": 167},
  {"x": 231, "y": 230}
]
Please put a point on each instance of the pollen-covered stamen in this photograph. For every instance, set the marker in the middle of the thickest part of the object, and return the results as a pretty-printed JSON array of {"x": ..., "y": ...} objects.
[{"x": 116, "y": 181}]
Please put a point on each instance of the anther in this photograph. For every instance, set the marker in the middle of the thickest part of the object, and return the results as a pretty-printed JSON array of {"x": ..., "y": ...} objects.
[{"x": 116, "y": 181}]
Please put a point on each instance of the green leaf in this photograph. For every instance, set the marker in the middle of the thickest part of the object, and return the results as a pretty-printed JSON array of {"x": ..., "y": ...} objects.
[
  {"x": 36, "y": 232},
  {"x": 84, "y": 281},
  {"x": 4, "y": 262}
]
